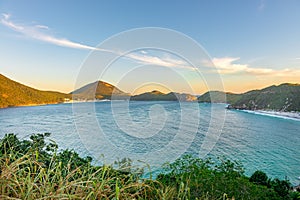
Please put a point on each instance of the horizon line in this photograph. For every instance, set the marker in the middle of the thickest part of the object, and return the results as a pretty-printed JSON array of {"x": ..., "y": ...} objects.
[{"x": 46, "y": 90}]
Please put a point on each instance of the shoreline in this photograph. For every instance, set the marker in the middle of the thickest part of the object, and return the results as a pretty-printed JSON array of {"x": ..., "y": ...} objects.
[
  {"x": 55, "y": 103},
  {"x": 30, "y": 105},
  {"x": 293, "y": 115}
]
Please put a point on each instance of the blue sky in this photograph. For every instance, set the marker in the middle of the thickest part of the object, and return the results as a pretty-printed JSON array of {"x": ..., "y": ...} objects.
[{"x": 253, "y": 43}]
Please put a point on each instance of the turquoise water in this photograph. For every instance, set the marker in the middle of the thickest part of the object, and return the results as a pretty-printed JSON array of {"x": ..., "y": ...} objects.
[{"x": 137, "y": 129}]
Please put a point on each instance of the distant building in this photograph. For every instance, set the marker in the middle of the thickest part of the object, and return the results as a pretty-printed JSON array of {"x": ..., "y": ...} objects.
[{"x": 66, "y": 99}]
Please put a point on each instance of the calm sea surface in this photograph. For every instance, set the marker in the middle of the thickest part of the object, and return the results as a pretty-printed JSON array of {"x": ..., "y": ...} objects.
[{"x": 259, "y": 142}]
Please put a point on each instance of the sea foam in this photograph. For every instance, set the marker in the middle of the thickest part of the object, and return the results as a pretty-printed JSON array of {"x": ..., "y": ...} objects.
[{"x": 277, "y": 114}]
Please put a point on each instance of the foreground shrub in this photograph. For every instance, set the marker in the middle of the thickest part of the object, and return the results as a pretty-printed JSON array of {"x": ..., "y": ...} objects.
[
  {"x": 198, "y": 178},
  {"x": 260, "y": 178},
  {"x": 34, "y": 169}
]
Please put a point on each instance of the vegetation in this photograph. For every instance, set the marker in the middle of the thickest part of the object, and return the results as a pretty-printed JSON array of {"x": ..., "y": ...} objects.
[
  {"x": 285, "y": 97},
  {"x": 35, "y": 169},
  {"x": 218, "y": 97},
  {"x": 154, "y": 96},
  {"x": 16, "y": 94},
  {"x": 159, "y": 96},
  {"x": 194, "y": 178}
]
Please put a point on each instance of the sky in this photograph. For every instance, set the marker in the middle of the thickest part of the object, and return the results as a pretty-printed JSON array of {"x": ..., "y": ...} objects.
[{"x": 249, "y": 44}]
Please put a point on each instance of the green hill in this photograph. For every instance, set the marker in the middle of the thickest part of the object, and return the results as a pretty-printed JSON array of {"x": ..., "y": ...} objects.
[
  {"x": 13, "y": 93},
  {"x": 219, "y": 97},
  {"x": 154, "y": 96},
  {"x": 99, "y": 90},
  {"x": 284, "y": 97},
  {"x": 103, "y": 90},
  {"x": 159, "y": 96}
]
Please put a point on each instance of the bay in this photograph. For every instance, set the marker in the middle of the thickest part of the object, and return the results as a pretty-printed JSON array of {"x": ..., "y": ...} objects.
[{"x": 162, "y": 130}]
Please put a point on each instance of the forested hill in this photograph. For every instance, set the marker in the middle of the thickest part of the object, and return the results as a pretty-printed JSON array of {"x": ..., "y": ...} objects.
[
  {"x": 284, "y": 97},
  {"x": 99, "y": 90},
  {"x": 13, "y": 93},
  {"x": 218, "y": 97},
  {"x": 159, "y": 96},
  {"x": 102, "y": 90}
]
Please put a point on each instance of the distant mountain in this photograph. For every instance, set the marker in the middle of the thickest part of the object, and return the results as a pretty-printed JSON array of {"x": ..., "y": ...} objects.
[
  {"x": 99, "y": 90},
  {"x": 13, "y": 93},
  {"x": 103, "y": 90},
  {"x": 154, "y": 96},
  {"x": 284, "y": 97},
  {"x": 159, "y": 96}
]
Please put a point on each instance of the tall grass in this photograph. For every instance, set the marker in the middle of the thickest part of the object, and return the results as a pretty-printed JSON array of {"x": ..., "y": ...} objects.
[
  {"x": 27, "y": 178},
  {"x": 34, "y": 169}
]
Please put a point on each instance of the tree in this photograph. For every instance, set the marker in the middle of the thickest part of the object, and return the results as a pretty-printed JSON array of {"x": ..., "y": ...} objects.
[
  {"x": 282, "y": 187},
  {"x": 260, "y": 178}
]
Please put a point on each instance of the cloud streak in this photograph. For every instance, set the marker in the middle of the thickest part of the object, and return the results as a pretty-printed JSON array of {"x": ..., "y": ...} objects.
[
  {"x": 35, "y": 32},
  {"x": 225, "y": 65},
  {"x": 154, "y": 60},
  {"x": 42, "y": 27},
  {"x": 228, "y": 65},
  {"x": 39, "y": 32}
]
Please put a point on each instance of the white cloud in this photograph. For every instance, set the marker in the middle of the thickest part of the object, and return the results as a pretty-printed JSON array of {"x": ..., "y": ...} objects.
[
  {"x": 6, "y": 16},
  {"x": 154, "y": 60},
  {"x": 42, "y": 27},
  {"x": 39, "y": 32},
  {"x": 226, "y": 65},
  {"x": 35, "y": 33}
]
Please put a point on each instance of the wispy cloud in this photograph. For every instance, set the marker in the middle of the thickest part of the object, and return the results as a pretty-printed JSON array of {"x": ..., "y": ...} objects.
[
  {"x": 36, "y": 32},
  {"x": 159, "y": 61},
  {"x": 42, "y": 27},
  {"x": 225, "y": 65},
  {"x": 41, "y": 33},
  {"x": 6, "y": 16},
  {"x": 228, "y": 65}
]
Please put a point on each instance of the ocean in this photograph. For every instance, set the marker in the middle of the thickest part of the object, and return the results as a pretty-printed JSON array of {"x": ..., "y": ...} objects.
[{"x": 155, "y": 132}]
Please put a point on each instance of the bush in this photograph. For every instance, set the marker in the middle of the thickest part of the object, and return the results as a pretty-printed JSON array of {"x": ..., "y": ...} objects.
[
  {"x": 34, "y": 169},
  {"x": 194, "y": 178},
  {"x": 260, "y": 178},
  {"x": 282, "y": 187}
]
